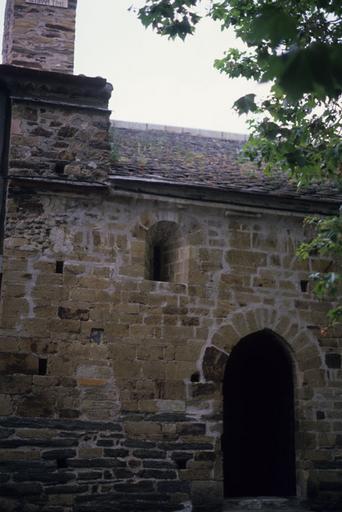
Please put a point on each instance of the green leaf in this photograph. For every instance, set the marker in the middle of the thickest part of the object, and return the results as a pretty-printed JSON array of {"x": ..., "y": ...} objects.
[
  {"x": 246, "y": 104},
  {"x": 273, "y": 24}
]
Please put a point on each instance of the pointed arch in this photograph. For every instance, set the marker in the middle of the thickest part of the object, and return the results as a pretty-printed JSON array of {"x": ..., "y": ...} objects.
[{"x": 299, "y": 340}]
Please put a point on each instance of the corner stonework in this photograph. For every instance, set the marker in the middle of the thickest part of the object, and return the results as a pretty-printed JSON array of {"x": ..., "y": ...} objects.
[{"x": 40, "y": 34}]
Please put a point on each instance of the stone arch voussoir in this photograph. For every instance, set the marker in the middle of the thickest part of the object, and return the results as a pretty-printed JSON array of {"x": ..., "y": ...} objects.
[
  {"x": 249, "y": 320},
  {"x": 214, "y": 364},
  {"x": 303, "y": 349}
]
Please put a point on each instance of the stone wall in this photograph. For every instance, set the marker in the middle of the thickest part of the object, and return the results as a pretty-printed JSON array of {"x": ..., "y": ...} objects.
[
  {"x": 40, "y": 34},
  {"x": 110, "y": 381},
  {"x": 59, "y": 126},
  {"x": 111, "y": 386}
]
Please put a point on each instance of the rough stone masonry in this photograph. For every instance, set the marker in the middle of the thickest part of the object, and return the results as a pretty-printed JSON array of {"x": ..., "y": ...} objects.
[
  {"x": 40, "y": 34},
  {"x": 132, "y": 271}
]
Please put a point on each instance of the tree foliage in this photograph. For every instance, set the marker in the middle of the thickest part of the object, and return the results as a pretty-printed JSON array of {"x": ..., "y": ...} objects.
[
  {"x": 296, "y": 47},
  {"x": 327, "y": 242}
]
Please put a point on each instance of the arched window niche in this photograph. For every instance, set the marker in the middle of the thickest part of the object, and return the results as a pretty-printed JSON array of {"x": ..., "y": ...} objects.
[{"x": 165, "y": 253}]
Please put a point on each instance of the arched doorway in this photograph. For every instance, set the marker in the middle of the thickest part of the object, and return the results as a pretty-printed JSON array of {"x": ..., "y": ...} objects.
[{"x": 258, "y": 437}]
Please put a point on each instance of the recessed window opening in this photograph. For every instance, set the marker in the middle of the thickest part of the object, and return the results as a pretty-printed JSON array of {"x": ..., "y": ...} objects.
[
  {"x": 42, "y": 366},
  {"x": 96, "y": 335},
  {"x": 157, "y": 264},
  {"x": 59, "y": 168},
  {"x": 163, "y": 257},
  {"x": 304, "y": 285},
  {"x": 59, "y": 267}
]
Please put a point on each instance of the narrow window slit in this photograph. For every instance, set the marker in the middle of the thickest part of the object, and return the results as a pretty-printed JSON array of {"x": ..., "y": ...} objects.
[
  {"x": 156, "y": 264},
  {"x": 195, "y": 377},
  {"x": 42, "y": 366},
  {"x": 163, "y": 260},
  {"x": 59, "y": 267},
  {"x": 59, "y": 168},
  {"x": 96, "y": 336},
  {"x": 304, "y": 285}
]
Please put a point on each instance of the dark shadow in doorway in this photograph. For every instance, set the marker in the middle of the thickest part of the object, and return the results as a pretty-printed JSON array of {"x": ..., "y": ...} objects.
[{"x": 258, "y": 439}]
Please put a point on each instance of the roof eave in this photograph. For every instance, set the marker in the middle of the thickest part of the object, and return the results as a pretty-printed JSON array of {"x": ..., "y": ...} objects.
[{"x": 227, "y": 196}]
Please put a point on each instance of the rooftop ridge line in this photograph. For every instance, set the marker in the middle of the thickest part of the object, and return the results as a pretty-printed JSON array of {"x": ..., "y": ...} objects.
[{"x": 197, "y": 132}]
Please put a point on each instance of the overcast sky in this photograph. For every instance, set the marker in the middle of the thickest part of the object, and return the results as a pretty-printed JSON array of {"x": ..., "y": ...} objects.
[{"x": 156, "y": 80}]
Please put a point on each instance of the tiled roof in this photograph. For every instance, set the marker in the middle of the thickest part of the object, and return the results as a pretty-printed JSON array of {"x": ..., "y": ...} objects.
[{"x": 198, "y": 157}]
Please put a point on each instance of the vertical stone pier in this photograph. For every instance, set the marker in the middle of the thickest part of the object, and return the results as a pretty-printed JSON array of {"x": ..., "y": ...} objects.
[{"x": 40, "y": 34}]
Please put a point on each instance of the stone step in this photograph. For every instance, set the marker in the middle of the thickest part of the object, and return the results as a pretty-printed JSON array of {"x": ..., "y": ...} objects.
[{"x": 264, "y": 504}]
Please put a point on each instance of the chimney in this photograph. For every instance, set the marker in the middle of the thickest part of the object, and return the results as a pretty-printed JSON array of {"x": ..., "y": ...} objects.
[{"x": 40, "y": 34}]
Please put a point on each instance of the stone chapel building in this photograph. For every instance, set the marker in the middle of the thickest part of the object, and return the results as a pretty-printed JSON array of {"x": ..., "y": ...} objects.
[{"x": 161, "y": 348}]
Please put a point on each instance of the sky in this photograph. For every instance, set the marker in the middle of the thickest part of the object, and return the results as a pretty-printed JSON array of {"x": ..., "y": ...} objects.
[{"x": 156, "y": 80}]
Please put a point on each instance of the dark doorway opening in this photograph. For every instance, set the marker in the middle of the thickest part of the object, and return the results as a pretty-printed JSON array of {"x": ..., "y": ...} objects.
[{"x": 258, "y": 435}]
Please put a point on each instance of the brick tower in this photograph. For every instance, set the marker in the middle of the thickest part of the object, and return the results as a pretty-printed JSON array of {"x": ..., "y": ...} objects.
[{"x": 40, "y": 34}]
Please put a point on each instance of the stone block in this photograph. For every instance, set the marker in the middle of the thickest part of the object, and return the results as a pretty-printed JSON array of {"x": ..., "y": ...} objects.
[
  {"x": 142, "y": 428},
  {"x": 267, "y": 241},
  {"x": 88, "y": 382},
  {"x": 40, "y": 404},
  {"x": 207, "y": 495},
  {"x": 15, "y": 384},
  {"x": 144, "y": 486},
  {"x": 18, "y": 363},
  {"x": 171, "y": 406},
  {"x": 191, "y": 429},
  {"x": 226, "y": 338},
  {"x": 214, "y": 364},
  {"x": 95, "y": 463},
  {"x": 158, "y": 464},
  {"x": 206, "y": 390},
  {"x": 21, "y": 489},
  {"x": 195, "y": 474},
  {"x": 148, "y": 406},
  {"x": 65, "y": 453},
  {"x": 6, "y": 405},
  {"x": 116, "y": 452},
  {"x": 157, "y": 474},
  {"x": 190, "y": 351},
  {"x": 72, "y": 489},
  {"x": 68, "y": 314},
  {"x": 105, "y": 442},
  {"x": 149, "y": 454},
  {"x": 13, "y": 455},
  {"x": 179, "y": 370},
  {"x": 246, "y": 259},
  {"x": 153, "y": 369},
  {"x": 61, "y": 500}
]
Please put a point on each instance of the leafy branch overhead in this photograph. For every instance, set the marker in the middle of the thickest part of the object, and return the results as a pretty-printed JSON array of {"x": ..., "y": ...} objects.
[
  {"x": 296, "y": 44},
  {"x": 296, "y": 47}
]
